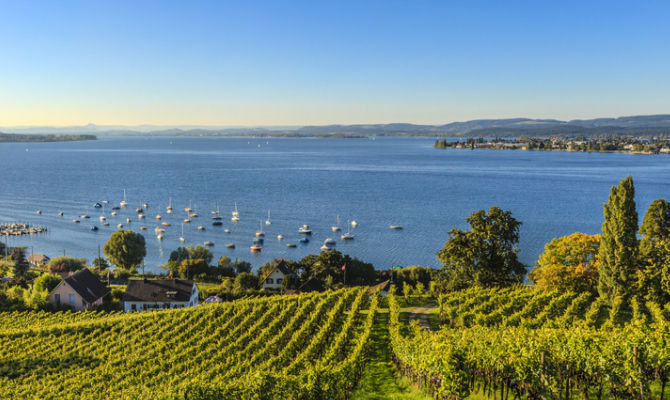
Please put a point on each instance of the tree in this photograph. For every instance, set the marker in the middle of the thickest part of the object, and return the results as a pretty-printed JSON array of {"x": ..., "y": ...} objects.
[
  {"x": 618, "y": 243},
  {"x": 329, "y": 263},
  {"x": 125, "y": 250},
  {"x": 568, "y": 263},
  {"x": 191, "y": 268},
  {"x": 46, "y": 282},
  {"x": 246, "y": 281},
  {"x": 66, "y": 264},
  {"x": 655, "y": 252},
  {"x": 242, "y": 266},
  {"x": 21, "y": 265},
  {"x": 485, "y": 255},
  {"x": 100, "y": 264}
]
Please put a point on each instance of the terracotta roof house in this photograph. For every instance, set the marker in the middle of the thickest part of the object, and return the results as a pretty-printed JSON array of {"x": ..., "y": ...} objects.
[
  {"x": 38, "y": 259},
  {"x": 79, "y": 291},
  {"x": 278, "y": 272},
  {"x": 158, "y": 294}
]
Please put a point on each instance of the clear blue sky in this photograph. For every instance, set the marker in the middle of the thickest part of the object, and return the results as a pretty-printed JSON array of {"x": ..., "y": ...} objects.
[{"x": 312, "y": 62}]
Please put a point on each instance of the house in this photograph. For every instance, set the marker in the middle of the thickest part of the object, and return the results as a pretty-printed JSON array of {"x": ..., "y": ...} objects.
[
  {"x": 38, "y": 259},
  {"x": 158, "y": 294},
  {"x": 79, "y": 291},
  {"x": 278, "y": 272}
]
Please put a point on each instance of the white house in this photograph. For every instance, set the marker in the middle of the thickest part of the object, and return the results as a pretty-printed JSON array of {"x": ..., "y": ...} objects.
[
  {"x": 278, "y": 272},
  {"x": 79, "y": 291},
  {"x": 158, "y": 294}
]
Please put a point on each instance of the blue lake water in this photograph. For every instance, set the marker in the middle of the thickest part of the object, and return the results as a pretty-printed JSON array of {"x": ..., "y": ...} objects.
[{"x": 378, "y": 182}]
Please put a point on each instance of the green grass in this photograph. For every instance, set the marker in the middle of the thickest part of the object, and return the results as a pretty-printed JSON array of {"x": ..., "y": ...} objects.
[{"x": 380, "y": 381}]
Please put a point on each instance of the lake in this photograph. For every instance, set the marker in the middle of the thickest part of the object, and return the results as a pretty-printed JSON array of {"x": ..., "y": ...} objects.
[{"x": 377, "y": 183}]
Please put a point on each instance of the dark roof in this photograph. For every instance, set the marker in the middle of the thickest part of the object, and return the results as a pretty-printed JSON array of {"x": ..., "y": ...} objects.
[
  {"x": 312, "y": 285},
  {"x": 384, "y": 286},
  {"x": 87, "y": 285},
  {"x": 158, "y": 290},
  {"x": 279, "y": 264}
]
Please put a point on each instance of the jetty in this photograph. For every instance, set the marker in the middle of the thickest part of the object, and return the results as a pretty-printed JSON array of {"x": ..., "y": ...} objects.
[{"x": 18, "y": 229}]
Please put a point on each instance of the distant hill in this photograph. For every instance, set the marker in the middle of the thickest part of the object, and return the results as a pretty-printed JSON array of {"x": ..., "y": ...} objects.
[
  {"x": 13, "y": 138},
  {"x": 642, "y": 125}
]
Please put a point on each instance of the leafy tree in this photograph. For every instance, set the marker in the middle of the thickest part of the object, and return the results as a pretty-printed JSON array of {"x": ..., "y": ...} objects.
[
  {"x": 46, "y": 282},
  {"x": 191, "y": 268},
  {"x": 66, "y": 264},
  {"x": 246, "y": 281},
  {"x": 242, "y": 266},
  {"x": 125, "y": 249},
  {"x": 655, "y": 252},
  {"x": 618, "y": 243},
  {"x": 485, "y": 255},
  {"x": 21, "y": 265},
  {"x": 569, "y": 263},
  {"x": 100, "y": 264},
  {"x": 419, "y": 288},
  {"x": 329, "y": 263}
]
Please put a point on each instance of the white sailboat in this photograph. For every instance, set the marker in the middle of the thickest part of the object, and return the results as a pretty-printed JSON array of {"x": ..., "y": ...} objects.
[
  {"x": 336, "y": 228},
  {"x": 181, "y": 238},
  {"x": 124, "y": 203},
  {"x": 190, "y": 207},
  {"x": 102, "y": 216},
  {"x": 168, "y": 209},
  {"x": 236, "y": 214},
  {"x": 260, "y": 232},
  {"x": 268, "y": 222},
  {"x": 348, "y": 235}
]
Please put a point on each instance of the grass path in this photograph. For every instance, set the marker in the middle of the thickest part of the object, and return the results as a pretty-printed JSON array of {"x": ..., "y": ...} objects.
[
  {"x": 380, "y": 381},
  {"x": 422, "y": 314}
]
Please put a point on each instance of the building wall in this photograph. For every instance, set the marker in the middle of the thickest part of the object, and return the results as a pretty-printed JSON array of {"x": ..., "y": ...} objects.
[
  {"x": 64, "y": 290},
  {"x": 271, "y": 281},
  {"x": 151, "y": 305}
]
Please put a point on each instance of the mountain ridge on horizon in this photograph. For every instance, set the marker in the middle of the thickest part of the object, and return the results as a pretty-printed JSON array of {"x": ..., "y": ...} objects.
[{"x": 638, "y": 124}]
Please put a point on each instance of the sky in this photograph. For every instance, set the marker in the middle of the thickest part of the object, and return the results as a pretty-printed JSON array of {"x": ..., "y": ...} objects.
[{"x": 275, "y": 63}]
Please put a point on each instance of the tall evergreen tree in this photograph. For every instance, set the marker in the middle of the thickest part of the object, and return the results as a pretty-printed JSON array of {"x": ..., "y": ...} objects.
[
  {"x": 618, "y": 243},
  {"x": 655, "y": 251}
]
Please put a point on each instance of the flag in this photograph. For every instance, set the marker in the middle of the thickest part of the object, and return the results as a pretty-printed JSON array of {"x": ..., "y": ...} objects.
[{"x": 344, "y": 267}]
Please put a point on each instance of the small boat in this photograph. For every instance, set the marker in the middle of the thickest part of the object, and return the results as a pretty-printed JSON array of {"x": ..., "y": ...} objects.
[
  {"x": 189, "y": 208},
  {"x": 165, "y": 223},
  {"x": 116, "y": 208},
  {"x": 143, "y": 228},
  {"x": 103, "y": 218},
  {"x": 120, "y": 226},
  {"x": 354, "y": 224},
  {"x": 217, "y": 218},
  {"x": 226, "y": 231},
  {"x": 201, "y": 228},
  {"x": 217, "y": 223},
  {"x": 396, "y": 227},
  {"x": 329, "y": 242},
  {"x": 139, "y": 210},
  {"x": 145, "y": 205},
  {"x": 159, "y": 216},
  {"x": 128, "y": 220},
  {"x": 193, "y": 215},
  {"x": 84, "y": 216},
  {"x": 160, "y": 236},
  {"x": 169, "y": 207},
  {"x": 113, "y": 213},
  {"x": 305, "y": 230},
  {"x": 76, "y": 221},
  {"x": 291, "y": 245},
  {"x": 169, "y": 211},
  {"x": 236, "y": 214},
  {"x": 105, "y": 202},
  {"x": 324, "y": 248},
  {"x": 141, "y": 216},
  {"x": 216, "y": 211},
  {"x": 348, "y": 235},
  {"x": 260, "y": 233},
  {"x": 94, "y": 228},
  {"x": 187, "y": 221},
  {"x": 60, "y": 213},
  {"x": 97, "y": 205},
  {"x": 336, "y": 228},
  {"x": 267, "y": 221},
  {"x": 105, "y": 223},
  {"x": 255, "y": 248},
  {"x": 280, "y": 237},
  {"x": 181, "y": 238},
  {"x": 124, "y": 202},
  {"x": 159, "y": 229},
  {"x": 230, "y": 245},
  {"x": 304, "y": 240},
  {"x": 259, "y": 240},
  {"x": 209, "y": 243}
]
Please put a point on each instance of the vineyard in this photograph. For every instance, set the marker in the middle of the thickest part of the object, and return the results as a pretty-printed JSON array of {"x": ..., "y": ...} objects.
[
  {"x": 524, "y": 343},
  {"x": 308, "y": 346}
]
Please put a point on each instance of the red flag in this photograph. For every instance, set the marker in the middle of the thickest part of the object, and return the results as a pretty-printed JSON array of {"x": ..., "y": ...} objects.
[{"x": 344, "y": 267}]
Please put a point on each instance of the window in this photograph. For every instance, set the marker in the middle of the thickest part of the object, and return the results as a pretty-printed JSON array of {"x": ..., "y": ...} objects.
[
  {"x": 133, "y": 307},
  {"x": 57, "y": 298},
  {"x": 269, "y": 280},
  {"x": 278, "y": 280},
  {"x": 71, "y": 298}
]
